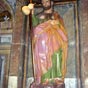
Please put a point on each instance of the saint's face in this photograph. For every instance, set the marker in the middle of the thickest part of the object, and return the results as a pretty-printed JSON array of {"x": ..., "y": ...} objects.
[{"x": 46, "y": 4}]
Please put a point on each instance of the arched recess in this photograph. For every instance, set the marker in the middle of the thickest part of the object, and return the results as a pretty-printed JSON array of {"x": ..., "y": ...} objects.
[{"x": 6, "y": 29}]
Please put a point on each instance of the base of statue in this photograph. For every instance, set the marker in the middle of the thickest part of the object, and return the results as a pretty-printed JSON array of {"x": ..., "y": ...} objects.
[{"x": 48, "y": 86}]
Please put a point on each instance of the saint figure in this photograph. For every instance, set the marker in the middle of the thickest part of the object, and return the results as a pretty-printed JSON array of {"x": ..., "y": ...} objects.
[{"x": 49, "y": 46}]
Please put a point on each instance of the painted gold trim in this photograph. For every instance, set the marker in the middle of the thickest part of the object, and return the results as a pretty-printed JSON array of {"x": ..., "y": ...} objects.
[
  {"x": 3, "y": 52},
  {"x": 5, "y": 47},
  {"x": 5, "y": 31}
]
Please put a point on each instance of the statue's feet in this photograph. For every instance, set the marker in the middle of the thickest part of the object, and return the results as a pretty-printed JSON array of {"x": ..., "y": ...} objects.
[
  {"x": 58, "y": 81},
  {"x": 46, "y": 82}
]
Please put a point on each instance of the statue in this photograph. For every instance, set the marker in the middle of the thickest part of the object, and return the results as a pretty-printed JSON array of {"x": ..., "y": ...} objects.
[{"x": 49, "y": 47}]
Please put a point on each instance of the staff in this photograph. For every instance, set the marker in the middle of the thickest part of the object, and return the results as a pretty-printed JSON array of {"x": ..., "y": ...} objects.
[{"x": 27, "y": 10}]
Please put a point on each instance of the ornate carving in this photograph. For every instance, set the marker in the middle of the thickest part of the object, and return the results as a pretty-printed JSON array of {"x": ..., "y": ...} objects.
[
  {"x": 5, "y": 15},
  {"x": 4, "y": 6}
]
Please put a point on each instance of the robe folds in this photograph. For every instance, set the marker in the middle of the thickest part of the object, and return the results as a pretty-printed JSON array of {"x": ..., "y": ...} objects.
[{"x": 49, "y": 47}]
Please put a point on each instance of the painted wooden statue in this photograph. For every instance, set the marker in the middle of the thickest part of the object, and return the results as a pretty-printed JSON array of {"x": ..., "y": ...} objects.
[{"x": 49, "y": 46}]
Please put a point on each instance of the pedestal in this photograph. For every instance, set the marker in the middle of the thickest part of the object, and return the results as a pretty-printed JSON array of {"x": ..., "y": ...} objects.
[{"x": 48, "y": 86}]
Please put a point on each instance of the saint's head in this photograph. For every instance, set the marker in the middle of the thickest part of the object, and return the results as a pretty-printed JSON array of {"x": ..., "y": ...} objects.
[{"x": 46, "y": 4}]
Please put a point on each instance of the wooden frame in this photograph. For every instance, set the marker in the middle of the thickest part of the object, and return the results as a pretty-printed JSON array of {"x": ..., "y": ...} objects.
[
  {"x": 55, "y": 1},
  {"x": 78, "y": 54}
]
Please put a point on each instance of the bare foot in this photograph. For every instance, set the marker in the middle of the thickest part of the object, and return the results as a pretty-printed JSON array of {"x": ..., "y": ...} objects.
[
  {"x": 46, "y": 82},
  {"x": 58, "y": 81}
]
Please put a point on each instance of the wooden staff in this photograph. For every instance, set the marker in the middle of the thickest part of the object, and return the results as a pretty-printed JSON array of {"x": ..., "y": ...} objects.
[
  {"x": 29, "y": 35},
  {"x": 26, "y": 50}
]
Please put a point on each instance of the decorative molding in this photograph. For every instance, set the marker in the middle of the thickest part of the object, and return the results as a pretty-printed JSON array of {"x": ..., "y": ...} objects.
[
  {"x": 5, "y": 16},
  {"x": 4, "y": 5}
]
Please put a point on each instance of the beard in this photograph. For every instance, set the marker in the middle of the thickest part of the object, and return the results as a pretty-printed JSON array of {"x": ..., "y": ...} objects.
[{"x": 47, "y": 8}]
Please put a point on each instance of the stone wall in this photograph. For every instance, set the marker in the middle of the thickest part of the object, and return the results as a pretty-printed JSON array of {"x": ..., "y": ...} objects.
[
  {"x": 16, "y": 41},
  {"x": 83, "y": 21}
]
